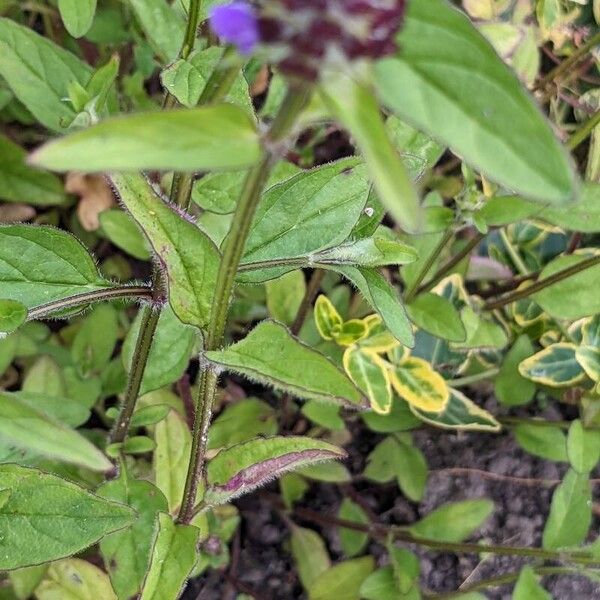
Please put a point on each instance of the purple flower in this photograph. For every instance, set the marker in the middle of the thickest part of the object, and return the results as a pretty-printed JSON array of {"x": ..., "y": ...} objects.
[{"x": 236, "y": 23}]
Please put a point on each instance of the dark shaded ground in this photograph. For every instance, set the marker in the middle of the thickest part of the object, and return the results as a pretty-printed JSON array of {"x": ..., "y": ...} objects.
[{"x": 264, "y": 569}]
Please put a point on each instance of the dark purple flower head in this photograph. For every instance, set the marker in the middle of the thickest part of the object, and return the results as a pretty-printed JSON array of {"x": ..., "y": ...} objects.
[{"x": 236, "y": 24}]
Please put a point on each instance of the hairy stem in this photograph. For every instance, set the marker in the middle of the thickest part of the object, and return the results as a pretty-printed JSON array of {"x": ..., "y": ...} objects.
[{"x": 233, "y": 248}]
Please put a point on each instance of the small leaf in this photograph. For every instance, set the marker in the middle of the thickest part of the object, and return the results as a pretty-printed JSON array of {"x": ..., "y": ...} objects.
[
  {"x": 126, "y": 553},
  {"x": 528, "y": 588},
  {"x": 381, "y": 585},
  {"x": 285, "y": 295},
  {"x": 190, "y": 258},
  {"x": 555, "y": 366},
  {"x": 12, "y": 315},
  {"x": 31, "y": 429},
  {"x": 512, "y": 389},
  {"x": 353, "y": 542},
  {"x": 327, "y": 318},
  {"x": 76, "y": 579},
  {"x": 342, "y": 581},
  {"x": 212, "y": 137},
  {"x": 453, "y": 522},
  {"x": 122, "y": 231},
  {"x": 437, "y": 316},
  {"x": 415, "y": 381},
  {"x": 570, "y": 513},
  {"x": 369, "y": 373},
  {"x": 270, "y": 354},
  {"x": 310, "y": 555},
  {"x": 47, "y": 518},
  {"x": 410, "y": 469},
  {"x": 77, "y": 15},
  {"x": 326, "y": 472},
  {"x": 583, "y": 447},
  {"x": 173, "y": 558},
  {"x": 543, "y": 441},
  {"x": 244, "y": 467}
]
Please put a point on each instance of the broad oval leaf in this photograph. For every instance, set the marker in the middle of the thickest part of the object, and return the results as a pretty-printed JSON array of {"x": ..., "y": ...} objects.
[
  {"x": 545, "y": 441},
  {"x": 40, "y": 264},
  {"x": 173, "y": 557},
  {"x": 512, "y": 389},
  {"x": 342, "y": 581},
  {"x": 310, "y": 555},
  {"x": 242, "y": 468},
  {"x": 30, "y": 429},
  {"x": 39, "y": 73},
  {"x": 415, "y": 381},
  {"x": 46, "y": 518},
  {"x": 474, "y": 103},
  {"x": 271, "y": 355},
  {"x": 77, "y": 15},
  {"x": 555, "y": 366},
  {"x": 213, "y": 137},
  {"x": 583, "y": 447},
  {"x": 190, "y": 258},
  {"x": 437, "y": 316},
  {"x": 459, "y": 413}
]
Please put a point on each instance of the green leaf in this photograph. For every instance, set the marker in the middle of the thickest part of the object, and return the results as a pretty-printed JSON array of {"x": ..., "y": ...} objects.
[
  {"x": 40, "y": 73},
  {"x": 528, "y": 588},
  {"x": 126, "y": 553},
  {"x": 328, "y": 472},
  {"x": 47, "y": 518},
  {"x": 325, "y": 415},
  {"x": 163, "y": 27},
  {"x": 269, "y": 354},
  {"x": 77, "y": 15},
  {"x": 170, "y": 352},
  {"x": 285, "y": 295},
  {"x": 352, "y": 542},
  {"x": 31, "y": 429},
  {"x": 573, "y": 297},
  {"x": 122, "y": 231},
  {"x": 410, "y": 468},
  {"x": 555, "y": 366},
  {"x": 212, "y": 137},
  {"x": 74, "y": 579},
  {"x": 459, "y": 413},
  {"x": 342, "y": 581},
  {"x": 582, "y": 216},
  {"x": 171, "y": 457},
  {"x": 24, "y": 581},
  {"x": 454, "y": 522},
  {"x": 186, "y": 79},
  {"x": 384, "y": 298},
  {"x": 357, "y": 108},
  {"x": 12, "y": 315},
  {"x": 407, "y": 569},
  {"x": 437, "y": 316},
  {"x": 570, "y": 513},
  {"x": 583, "y": 447},
  {"x": 188, "y": 255},
  {"x": 173, "y": 558},
  {"x": 474, "y": 103},
  {"x": 244, "y": 467},
  {"x": 310, "y": 555},
  {"x": 312, "y": 211},
  {"x": 381, "y": 465},
  {"x": 512, "y": 389},
  {"x": 66, "y": 410},
  {"x": 243, "y": 421},
  {"x": 20, "y": 183},
  {"x": 381, "y": 585},
  {"x": 368, "y": 372},
  {"x": 546, "y": 442},
  {"x": 40, "y": 264}
]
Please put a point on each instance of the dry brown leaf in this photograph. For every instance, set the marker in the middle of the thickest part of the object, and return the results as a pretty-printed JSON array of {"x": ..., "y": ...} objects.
[
  {"x": 16, "y": 213},
  {"x": 95, "y": 197}
]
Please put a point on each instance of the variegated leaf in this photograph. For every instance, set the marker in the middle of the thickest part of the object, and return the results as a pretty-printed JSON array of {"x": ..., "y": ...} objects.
[
  {"x": 589, "y": 358},
  {"x": 327, "y": 318},
  {"x": 555, "y": 366}
]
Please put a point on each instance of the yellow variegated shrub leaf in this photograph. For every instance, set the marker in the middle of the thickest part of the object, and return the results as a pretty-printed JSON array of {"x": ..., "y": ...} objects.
[
  {"x": 327, "y": 318},
  {"x": 398, "y": 355},
  {"x": 459, "y": 413},
  {"x": 589, "y": 359},
  {"x": 416, "y": 381},
  {"x": 555, "y": 366},
  {"x": 378, "y": 338},
  {"x": 453, "y": 289},
  {"x": 350, "y": 332},
  {"x": 369, "y": 373},
  {"x": 590, "y": 332}
]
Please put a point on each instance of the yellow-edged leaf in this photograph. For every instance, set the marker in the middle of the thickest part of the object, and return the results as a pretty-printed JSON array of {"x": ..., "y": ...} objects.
[
  {"x": 416, "y": 382},
  {"x": 350, "y": 332},
  {"x": 378, "y": 339},
  {"x": 554, "y": 366},
  {"x": 589, "y": 359},
  {"x": 327, "y": 318}
]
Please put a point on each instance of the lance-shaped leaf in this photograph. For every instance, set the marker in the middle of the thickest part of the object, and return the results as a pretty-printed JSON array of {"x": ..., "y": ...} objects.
[
  {"x": 357, "y": 108},
  {"x": 459, "y": 413},
  {"x": 30, "y": 429},
  {"x": 39, "y": 73},
  {"x": 369, "y": 252},
  {"x": 173, "y": 557},
  {"x": 555, "y": 366},
  {"x": 42, "y": 264},
  {"x": 383, "y": 298},
  {"x": 212, "y": 137},
  {"x": 127, "y": 553},
  {"x": 310, "y": 212},
  {"x": 270, "y": 355},
  {"x": 369, "y": 373},
  {"x": 46, "y": 518},
  {"x": 242, "y": 468},
  {"x": 473, "y": 102},
  {"x": 77, "y": 15},
  {"x": 415, "y": 381},
  {"x": 189, "y": 256}
]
